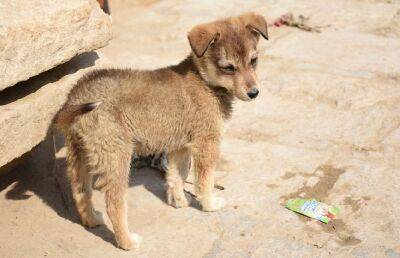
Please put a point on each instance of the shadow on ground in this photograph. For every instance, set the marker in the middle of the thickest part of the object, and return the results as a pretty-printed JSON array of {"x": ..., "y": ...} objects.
[{"x": 37, "y": 177}]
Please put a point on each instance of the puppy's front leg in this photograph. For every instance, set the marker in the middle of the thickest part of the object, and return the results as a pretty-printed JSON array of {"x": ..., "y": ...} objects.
[
  {"x": 177, "y": 172},
  {"x": 205, "y": 156}
]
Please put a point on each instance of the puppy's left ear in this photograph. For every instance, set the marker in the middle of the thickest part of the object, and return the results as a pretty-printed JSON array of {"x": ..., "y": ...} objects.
[{"x": 256, "y": 23}]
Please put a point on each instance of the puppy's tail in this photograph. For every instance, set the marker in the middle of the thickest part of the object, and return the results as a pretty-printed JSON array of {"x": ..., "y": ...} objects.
[{"x": 68, "y": 113}]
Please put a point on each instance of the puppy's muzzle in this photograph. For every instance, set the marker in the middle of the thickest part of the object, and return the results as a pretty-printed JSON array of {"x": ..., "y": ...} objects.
[{"x": 253, "y": 93}]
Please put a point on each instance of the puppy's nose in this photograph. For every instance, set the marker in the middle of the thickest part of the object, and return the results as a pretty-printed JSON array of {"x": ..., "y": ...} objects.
[{"x": 253, "y": 93}]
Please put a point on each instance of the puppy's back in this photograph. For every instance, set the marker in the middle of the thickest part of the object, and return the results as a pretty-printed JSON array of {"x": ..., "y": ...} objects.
[{"x": 99, "y": 85}]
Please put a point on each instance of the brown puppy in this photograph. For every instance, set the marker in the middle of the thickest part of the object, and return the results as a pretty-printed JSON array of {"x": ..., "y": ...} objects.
[{"x": 112, "y": 114}]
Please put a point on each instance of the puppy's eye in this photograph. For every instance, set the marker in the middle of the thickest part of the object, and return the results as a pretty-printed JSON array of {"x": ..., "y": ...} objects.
[
  {"x": 254, "y": 61},
  {"x": 228, "y": 68}
]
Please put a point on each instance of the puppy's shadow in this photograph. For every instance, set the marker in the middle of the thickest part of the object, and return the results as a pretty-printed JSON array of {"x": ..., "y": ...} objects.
[
  {"x": 29, "y": 179},
  {"x": 151, "y": 179},
  {"x": 45, "y": 177}
]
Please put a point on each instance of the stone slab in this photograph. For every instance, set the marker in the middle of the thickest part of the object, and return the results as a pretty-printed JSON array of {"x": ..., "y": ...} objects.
[{"x": 38, "y": 35}]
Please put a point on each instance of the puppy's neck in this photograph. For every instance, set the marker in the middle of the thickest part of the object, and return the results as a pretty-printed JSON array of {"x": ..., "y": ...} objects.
[
  {"x": 225, "y": 100},
  {"x": 188, "y": 67}
]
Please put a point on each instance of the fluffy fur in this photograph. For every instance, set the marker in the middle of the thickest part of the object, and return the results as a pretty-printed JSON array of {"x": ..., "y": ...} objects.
[{"x": 112, "y": 114}]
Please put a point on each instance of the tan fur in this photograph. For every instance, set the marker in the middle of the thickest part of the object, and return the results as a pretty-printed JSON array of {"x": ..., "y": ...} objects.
[{"x": 178, "y": 110}]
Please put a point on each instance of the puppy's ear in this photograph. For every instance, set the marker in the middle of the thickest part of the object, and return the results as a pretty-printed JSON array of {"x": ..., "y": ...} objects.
[
  {"x": 256, "y": 23},
  {"x": 202, "y": 37}
]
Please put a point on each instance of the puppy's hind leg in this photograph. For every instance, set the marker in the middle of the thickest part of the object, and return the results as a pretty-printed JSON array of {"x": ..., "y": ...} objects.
[
  {"x": 81, "y": 185},
  {"x": 176, "y": 174},
  {"x": 119, "y": 165}
]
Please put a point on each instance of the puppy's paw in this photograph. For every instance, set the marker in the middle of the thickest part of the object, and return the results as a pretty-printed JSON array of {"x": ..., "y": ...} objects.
[
  {"x": 214, "y": 204},
  {"x": 94, "y": 220},
  {"x": 178, "y": 200},
  {"x": 133, "y": 241}
]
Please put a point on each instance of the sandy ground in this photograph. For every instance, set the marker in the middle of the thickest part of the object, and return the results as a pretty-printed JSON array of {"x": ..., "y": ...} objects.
[{"x": 326, "y": 126}]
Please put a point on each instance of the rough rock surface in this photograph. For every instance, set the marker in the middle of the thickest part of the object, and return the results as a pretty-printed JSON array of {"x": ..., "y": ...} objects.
[
  {"x": 26, "y": 109},
  {"x": 37, "y": 35},
  {"x": 326, "y": 125}
]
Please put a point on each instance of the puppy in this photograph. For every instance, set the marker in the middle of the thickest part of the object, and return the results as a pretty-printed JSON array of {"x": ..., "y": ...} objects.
[{"x": 112, "y": 114}]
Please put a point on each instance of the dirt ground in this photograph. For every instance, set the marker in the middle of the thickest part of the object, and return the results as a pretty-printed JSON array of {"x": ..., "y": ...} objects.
[{"x": 326, "y": 125}]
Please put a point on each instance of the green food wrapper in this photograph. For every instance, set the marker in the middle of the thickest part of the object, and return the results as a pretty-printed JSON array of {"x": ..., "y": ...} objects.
[{"x": 313, "y": 209}]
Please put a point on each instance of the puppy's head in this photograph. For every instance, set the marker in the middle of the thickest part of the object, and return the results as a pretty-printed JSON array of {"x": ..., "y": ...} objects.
[{"x": 225, "y": 53}]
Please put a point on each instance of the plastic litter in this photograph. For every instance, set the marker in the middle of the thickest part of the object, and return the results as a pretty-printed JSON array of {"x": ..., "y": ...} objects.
[{"x": 313, "y": 209}]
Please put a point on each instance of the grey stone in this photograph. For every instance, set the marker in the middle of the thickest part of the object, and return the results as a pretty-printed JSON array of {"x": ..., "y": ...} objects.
[{"x": 38, "y": 35}]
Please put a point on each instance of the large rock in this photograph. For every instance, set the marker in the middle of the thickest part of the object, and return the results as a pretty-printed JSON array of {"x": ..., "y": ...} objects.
[
  {"x": 37, "y": 35},
  {"x": 27, "y": 109}
]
